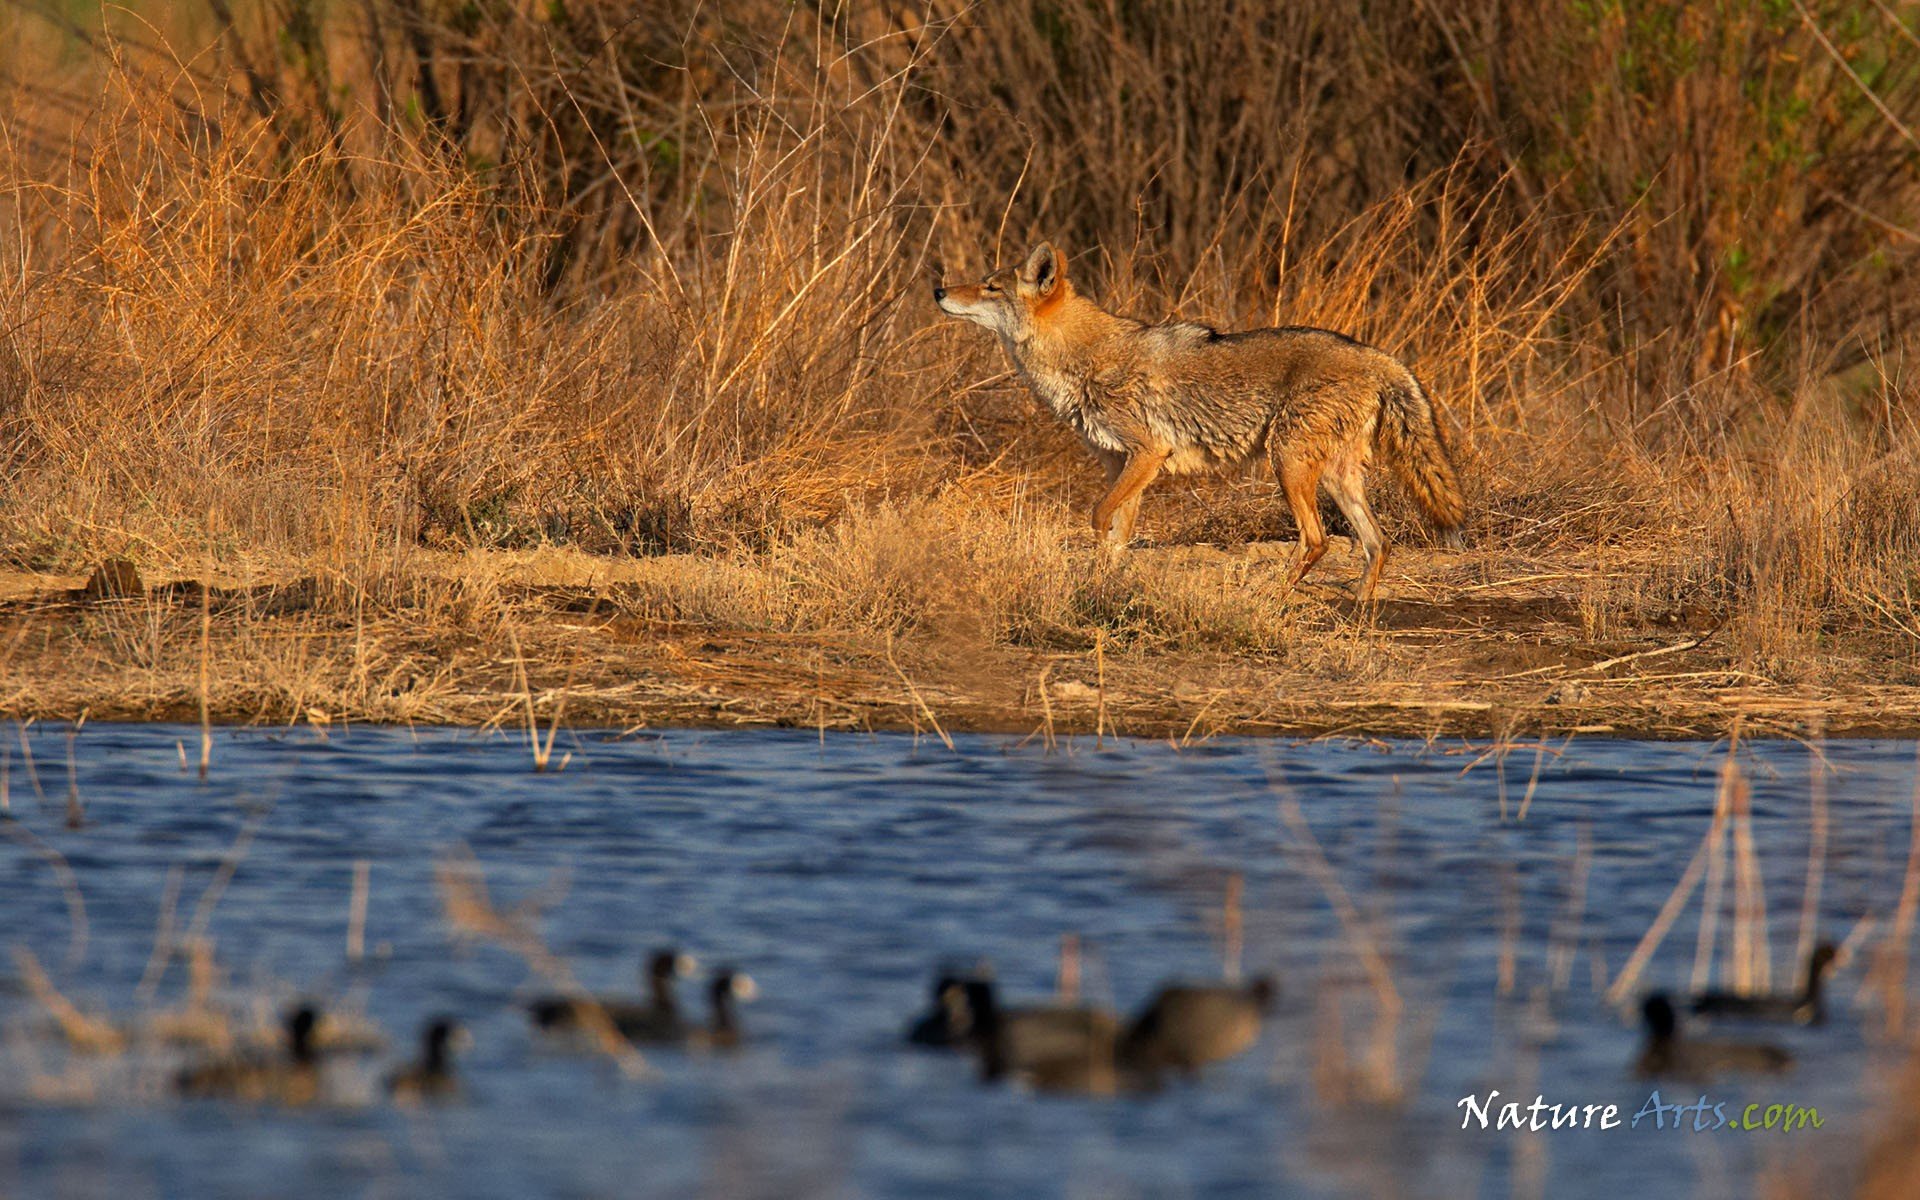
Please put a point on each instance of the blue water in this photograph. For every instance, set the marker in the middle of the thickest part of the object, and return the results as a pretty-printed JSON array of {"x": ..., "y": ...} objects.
[{"x": 840, "y": 874}]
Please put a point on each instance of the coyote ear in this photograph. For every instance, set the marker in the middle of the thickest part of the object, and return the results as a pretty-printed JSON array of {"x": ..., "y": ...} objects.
[{"x": 1045, "y": 268}]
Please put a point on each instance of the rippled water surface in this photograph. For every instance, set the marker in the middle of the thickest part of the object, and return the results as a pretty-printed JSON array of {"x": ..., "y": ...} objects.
[{"x": 840, "y": 874}]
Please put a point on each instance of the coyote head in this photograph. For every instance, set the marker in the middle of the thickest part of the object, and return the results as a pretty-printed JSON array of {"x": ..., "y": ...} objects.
[{"x": 1009, "y": 300}]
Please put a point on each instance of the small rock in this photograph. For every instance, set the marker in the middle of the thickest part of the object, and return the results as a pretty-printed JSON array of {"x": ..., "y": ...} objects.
[
  {"x": 114, "y": 579},
  {"x": 1570, "y": 691},
  {"x": 1073, "y": 689}
]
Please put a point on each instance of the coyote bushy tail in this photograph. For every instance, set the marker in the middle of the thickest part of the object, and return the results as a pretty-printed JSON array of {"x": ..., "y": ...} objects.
[{"x": 1409, "y": 437}]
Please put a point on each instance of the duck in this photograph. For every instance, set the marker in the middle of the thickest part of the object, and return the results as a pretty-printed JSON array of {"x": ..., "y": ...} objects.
[
  {"x": 657, "y": 1018},
  {"x": 723, "y": 1031},
  {"x": 430, "y": 1077},
  {"x": 1666, "y": 1052},
  {"x": 1804, "y": 1007},
  {"x": 1188, "y": 1025},
  {"x": 290, "y": 1077},
  {"x": 948, "y": 1021},
  {"x": 1055, "y": 1047}
]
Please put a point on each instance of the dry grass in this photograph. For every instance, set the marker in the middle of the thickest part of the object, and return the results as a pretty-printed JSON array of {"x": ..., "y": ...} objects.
[{"x": 344, "y": 300}]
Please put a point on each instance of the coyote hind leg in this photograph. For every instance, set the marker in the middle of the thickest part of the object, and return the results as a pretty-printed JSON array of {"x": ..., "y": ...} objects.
[
  {"x": 1300, "y": 480},
  {"x": 1346, "y": 482}
]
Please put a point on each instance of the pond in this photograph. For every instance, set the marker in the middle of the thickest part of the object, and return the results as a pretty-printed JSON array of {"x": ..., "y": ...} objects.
[{"x": 1429, "y": 943}]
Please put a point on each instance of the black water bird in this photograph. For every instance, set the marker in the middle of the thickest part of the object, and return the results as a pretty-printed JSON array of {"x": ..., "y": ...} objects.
[
  {"x": 1187, "y": 1026},
  {"x": 290, "y": 1075},
  {"x": 1055, "y": 1047},
  {"x": 723, "y": 1030},
  {"x": 656, "y": 1018},
  {"x": 431, "y": 1076},
  {"x": 1804, "y": 1007},
  {"x": 948, "y": 1022},
  {"x": 1667, "y": 1052}
]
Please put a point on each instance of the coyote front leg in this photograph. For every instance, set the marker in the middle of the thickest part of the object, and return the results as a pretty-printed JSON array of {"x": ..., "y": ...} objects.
[
  {"x": 1123, "y": 495},
  {"x": 1126, "y": 514}
]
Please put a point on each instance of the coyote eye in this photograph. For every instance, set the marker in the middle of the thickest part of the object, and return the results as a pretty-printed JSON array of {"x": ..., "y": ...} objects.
[{"x": 990, "y": 288}]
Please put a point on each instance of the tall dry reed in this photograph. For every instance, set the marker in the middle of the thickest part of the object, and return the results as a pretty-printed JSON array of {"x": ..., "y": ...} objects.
[{"x": 300, "y": 289}]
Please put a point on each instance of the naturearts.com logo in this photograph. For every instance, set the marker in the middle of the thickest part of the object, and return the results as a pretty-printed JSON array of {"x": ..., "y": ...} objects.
[{"x": 1701, "y": 1115}]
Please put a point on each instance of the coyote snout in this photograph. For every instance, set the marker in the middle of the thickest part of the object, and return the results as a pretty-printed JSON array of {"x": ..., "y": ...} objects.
[{"x": 1181, "y": 398}]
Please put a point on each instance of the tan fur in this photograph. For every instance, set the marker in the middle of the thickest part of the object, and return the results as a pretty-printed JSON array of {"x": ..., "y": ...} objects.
[{"x": 1180, "y": 398}]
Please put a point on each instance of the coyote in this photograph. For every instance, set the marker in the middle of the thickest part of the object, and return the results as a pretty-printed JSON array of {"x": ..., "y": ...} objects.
[{"x": 1184, "y": 398}]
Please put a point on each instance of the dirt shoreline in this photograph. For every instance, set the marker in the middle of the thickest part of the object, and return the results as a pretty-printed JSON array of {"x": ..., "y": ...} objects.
[{"x": 554, "y": 635}]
